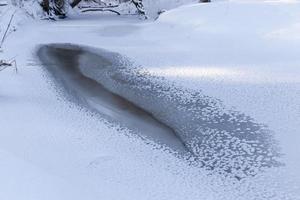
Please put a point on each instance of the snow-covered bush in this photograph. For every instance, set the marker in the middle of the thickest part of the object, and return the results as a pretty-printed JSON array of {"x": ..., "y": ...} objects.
[{"x": 152, "y": 8}]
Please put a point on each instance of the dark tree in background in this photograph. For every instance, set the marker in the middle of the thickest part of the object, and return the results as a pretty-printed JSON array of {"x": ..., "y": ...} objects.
[
  {"x": 55, "y": 7},
  {"x": 140, "y": 7},
  {"x": 59, "y": 7}
]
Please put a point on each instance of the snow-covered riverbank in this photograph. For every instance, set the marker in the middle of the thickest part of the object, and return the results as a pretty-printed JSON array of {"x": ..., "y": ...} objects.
[{"x": 52, "y": 149}]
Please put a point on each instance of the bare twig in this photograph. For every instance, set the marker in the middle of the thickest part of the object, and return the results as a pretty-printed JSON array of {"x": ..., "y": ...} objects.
[
  {"x": 7, "y": 28},
  {"x": 100, "y": 9},
  {"x": 11, "y": 63}
]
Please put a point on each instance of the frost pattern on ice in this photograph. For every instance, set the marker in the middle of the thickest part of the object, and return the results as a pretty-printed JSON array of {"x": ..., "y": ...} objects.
[{"x": 221, "y": 139}]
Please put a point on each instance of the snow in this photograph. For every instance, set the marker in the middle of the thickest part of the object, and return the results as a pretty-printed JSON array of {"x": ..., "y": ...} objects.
[
  {"x": 153, "y": 7},
  {"x": 251, "y": 64},
  {"x": 256, "y": 69},
  {"x": 243, "y": 53}
]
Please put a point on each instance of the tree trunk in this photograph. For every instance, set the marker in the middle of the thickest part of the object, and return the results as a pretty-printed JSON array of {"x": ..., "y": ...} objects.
[
  {"x": 54, "y": 7},
  {"x": 140, "y": 7},
  {"x": 75, "y": 3},
  {"x": 46, "y": 6}
]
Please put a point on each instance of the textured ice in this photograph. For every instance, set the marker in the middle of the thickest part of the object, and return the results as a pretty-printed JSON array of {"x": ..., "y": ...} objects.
[{"x": 220, "y": 139}]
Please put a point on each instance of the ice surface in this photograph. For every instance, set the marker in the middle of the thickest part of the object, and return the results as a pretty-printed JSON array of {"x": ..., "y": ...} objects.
[
  {"x": 64, "y": 62},
  {"x": 223, "y": 140}
]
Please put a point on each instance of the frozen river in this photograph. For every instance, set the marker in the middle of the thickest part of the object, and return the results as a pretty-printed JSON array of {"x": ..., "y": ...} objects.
[
  {"x": 114, "y": 95},
  {"x": 224, "y": 140}
]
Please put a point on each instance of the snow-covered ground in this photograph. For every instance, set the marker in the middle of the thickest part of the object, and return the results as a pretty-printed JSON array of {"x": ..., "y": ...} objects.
[{"x": 246, "y": 55}]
